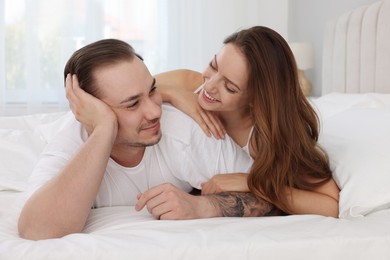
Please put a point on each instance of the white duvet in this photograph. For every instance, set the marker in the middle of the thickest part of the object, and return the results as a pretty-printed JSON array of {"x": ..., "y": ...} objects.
[
  {"x": 123, "y": 233},
  {"x": 352, "y": 125}
]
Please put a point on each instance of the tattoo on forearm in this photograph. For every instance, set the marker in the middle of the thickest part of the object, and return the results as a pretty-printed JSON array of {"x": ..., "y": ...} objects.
[{"x": 242, "y": 204}]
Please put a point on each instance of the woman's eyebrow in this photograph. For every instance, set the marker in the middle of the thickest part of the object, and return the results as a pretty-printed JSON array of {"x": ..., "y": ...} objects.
[{"x": 215, "y": 60}]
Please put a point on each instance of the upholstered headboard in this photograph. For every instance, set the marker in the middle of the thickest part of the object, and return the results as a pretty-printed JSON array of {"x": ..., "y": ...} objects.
[{"x": 356, "y": 56}]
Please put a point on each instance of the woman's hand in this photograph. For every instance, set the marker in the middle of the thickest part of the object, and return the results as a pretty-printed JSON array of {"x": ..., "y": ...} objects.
[
  {"x": 88, "y": 110},
  {"x": 226, "y": 182},
  {"x": 187, "y": 102}
]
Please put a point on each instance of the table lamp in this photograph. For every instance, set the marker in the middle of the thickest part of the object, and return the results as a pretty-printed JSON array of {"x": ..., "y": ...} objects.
[{"x": 304, "y": 56}]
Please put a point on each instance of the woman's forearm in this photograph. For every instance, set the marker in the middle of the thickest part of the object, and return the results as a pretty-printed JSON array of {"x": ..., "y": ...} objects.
[
  {"x": 309, "y": 202},
  {"x": 182, "y": 79}
]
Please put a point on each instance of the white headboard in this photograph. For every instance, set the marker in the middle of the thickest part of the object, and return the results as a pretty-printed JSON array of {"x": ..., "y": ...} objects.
[{"x": 356, "y": 56}]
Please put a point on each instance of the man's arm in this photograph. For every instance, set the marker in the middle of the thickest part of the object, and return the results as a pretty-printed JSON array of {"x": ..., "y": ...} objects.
[
  {"x": 241, "y": 204},
  {"x": 166, "y": 201},
  {"x": 62, "y": 205}
]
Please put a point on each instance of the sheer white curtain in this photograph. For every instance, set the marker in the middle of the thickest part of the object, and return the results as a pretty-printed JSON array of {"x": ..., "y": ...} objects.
[{"x": 38, "y": 36}]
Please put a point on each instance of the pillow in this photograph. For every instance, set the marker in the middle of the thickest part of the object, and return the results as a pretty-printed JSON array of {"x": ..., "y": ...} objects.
[
  {"x": 358, "y": 143},
  {"x": 22, "y": 139},
  {"x": 19, "y": 151}
]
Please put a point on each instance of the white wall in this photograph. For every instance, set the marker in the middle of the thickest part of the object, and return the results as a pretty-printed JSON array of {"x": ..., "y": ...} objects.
[{"x": 307, "y": 22}]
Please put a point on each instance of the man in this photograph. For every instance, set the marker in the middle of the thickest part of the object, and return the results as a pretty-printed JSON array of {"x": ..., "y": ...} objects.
[{"x": 118, "y": 154}]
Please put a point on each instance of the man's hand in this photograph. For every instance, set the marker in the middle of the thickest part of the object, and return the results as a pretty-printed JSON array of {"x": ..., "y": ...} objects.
[
  {"x": 88, "y": 110},
  {"x": 166, "y": 201}
]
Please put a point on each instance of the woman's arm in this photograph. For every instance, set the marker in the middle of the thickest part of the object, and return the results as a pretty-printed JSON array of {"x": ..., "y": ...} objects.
[
  {"x": 321, "y": 201},
  {"x": 172, "y": 81},
  {"x": 226, "y": 182}
]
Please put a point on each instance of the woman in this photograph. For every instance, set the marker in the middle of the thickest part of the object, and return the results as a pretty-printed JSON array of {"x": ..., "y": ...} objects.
[{"x": 251, "y": 91}]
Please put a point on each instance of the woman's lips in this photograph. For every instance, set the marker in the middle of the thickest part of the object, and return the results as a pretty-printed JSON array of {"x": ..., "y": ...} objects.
[{"x": 206, "y": 96}]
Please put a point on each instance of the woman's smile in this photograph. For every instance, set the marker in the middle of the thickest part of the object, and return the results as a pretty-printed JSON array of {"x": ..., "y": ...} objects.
[{"x": 207, "y": 97}]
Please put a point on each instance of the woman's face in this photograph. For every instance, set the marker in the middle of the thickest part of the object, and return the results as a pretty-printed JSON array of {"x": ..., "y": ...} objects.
[{"x": 226, "y": 80}]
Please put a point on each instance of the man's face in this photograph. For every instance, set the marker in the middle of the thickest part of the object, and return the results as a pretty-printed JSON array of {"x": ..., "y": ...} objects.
[{"x": 129, "y": 89}]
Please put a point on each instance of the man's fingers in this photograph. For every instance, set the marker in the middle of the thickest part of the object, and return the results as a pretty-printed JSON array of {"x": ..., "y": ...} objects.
[
  {"x": 68, "y": 86},
  {"x": 161, "y": 210},
  {"x": 148, "y": 195},
  {"x": 154, "y": 203}
]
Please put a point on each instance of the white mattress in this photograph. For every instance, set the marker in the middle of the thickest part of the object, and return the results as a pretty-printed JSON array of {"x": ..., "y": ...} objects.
[{"x": 122, "y": 233}]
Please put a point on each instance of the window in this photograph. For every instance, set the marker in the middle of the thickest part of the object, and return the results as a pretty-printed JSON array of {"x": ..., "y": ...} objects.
[
  {"x": 40, "y": 36},
  {"x": 37, "y": 37}
]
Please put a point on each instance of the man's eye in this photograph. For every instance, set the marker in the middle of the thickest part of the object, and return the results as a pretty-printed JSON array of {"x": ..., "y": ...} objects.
[
  {"x": 153, "y": 90},
  {"x": 132, "y": 106}
]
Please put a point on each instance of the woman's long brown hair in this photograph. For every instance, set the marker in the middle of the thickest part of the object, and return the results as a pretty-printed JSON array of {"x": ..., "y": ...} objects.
[{"x": 286, "y": 127}]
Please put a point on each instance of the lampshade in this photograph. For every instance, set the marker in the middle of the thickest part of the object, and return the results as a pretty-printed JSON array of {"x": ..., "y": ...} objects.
[{"x": 304, "y": 54}]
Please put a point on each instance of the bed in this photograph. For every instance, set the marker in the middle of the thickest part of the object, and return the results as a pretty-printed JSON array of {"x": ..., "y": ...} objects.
[{"x": 355, "y": 118}]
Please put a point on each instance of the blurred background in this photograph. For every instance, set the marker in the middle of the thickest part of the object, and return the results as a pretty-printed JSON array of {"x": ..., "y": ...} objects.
[{"x": 38, "y": 36}]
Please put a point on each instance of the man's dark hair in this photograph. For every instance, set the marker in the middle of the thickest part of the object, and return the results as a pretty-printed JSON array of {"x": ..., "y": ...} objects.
[{"x": 87, "y": 59}]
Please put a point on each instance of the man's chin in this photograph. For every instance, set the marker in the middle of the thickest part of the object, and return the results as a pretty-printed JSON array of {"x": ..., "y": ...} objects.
[{"x": 152, "y": 141}]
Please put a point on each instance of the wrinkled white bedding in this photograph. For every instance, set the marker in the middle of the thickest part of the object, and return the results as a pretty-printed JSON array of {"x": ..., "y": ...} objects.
[
  {"x": 352, "y": 126},
  {"x": 122, "y": 233}
]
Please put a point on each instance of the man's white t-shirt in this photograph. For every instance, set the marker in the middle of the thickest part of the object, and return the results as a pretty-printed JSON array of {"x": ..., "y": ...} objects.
[{"x": 184, "y": 156}]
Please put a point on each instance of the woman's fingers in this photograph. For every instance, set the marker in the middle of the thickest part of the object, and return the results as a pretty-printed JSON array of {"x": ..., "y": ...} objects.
[
  {"x": 213, "y": 124},
  {"x": 198, "y": 117}
]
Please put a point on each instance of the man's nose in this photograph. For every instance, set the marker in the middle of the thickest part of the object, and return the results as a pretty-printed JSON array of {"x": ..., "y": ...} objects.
[{"x": 153, "y": 109}]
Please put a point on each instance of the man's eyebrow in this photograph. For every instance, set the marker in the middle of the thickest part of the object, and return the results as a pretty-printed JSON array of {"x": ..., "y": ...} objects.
[
  {"x": 131, "y": 98},
  {"x": 153, "y": 83}
]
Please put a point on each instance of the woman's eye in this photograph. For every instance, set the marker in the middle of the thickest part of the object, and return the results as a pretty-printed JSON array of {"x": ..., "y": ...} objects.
[
  {"x": 212, "y": 66},
  {"x": 229, "y": 89}
]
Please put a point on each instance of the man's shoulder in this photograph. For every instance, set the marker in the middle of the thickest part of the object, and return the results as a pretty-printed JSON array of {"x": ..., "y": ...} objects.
[
  {"x": 175, "y": 124},
  {"x": 172, "y": 114},
  {"x": 178, "y": 126}
]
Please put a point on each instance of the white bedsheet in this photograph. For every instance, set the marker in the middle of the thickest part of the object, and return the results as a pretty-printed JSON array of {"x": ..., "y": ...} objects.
[{"x": 123, "y": 233}]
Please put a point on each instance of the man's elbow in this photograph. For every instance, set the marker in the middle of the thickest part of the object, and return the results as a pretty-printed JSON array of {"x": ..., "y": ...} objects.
[
  {"x": 30, "y": 233},
  {"x": 35, "y": 232}
]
